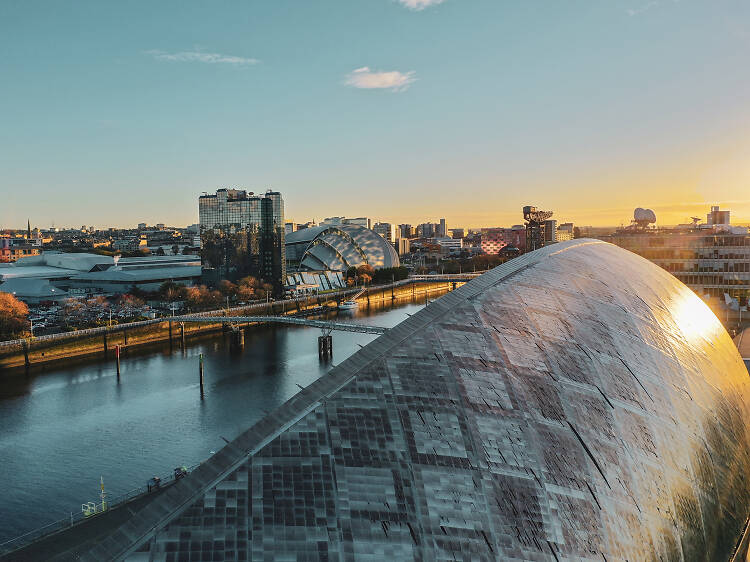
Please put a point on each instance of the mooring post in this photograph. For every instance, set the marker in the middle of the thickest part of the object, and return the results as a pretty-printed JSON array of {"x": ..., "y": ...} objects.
[
  {"x": 182, "y": 334},
  {"x": 26, "y": 361},
  {"x": 170, "y": 333},
  {"x": 200, "y": 370},
  {"x": 106, "y": 349},
  {"x": 117, "y": 356},
  {"x": 125, "y": 334}
]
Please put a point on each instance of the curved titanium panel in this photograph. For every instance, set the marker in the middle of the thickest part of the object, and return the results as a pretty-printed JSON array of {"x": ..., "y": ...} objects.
[{"x": 575, "y": 403}]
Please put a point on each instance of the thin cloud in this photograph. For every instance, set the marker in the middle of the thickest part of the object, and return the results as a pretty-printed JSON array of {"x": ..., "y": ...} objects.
[
  {"x": 207, "y": 58},
  {"x": 367, "y": 79},
  {"x": 642, "y": 9},
  {"x": 418, "y": 5}
]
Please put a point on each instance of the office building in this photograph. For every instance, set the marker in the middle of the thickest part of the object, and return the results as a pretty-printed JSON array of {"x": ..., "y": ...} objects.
[
  {"x": 406, "y": 231},
  {"x": 457, "y": 232},
  {"x": 550, "y": 231},
  {"x": 442, "y": 229},
  {"x": 13, "y": 249},
  {"x": 495, "y": 239},
  {"x": 450, "y": 244},
  {"x": 364, "y": 222},
  {"x": 712, "y": 260},
  {"x": 290, "y": 227},
  {"x": 717, "y": 217},
  {"x": 338, "y": 221},
  {"x": 243, "y": 234},
  {"x": 386, "y": 230},
  {"x": 403, "y": 246},
  {"x": 426, "y": 230},
  {"x": 565, "y": 232}
]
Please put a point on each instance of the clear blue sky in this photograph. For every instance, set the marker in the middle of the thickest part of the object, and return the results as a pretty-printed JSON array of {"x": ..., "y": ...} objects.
[{"x": 114, "y": 113}]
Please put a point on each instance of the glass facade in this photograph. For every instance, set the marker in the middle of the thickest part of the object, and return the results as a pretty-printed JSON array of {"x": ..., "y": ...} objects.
[
  {"x": 243, "y": 234},
  {"x": 708, "y": 261}
]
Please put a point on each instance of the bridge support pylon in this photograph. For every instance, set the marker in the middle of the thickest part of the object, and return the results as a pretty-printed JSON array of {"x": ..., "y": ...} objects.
[
  {"x": 238, "y": 336},
  {"x": 325, "y": 346}
]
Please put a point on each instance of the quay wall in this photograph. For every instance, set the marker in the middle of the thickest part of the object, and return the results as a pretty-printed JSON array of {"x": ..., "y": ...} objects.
[{"x": 100, "y": 343}]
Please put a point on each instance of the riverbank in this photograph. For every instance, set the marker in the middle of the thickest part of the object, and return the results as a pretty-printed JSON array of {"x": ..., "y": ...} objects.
[
  {"x": 101, "y": 343},
  {"x": 66, "y": 425}
]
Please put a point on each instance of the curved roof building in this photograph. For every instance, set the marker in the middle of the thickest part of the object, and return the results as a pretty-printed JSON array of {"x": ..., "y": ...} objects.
[
  {"x": 339, "y": 247},
  {"x": 577, "y": 402}
]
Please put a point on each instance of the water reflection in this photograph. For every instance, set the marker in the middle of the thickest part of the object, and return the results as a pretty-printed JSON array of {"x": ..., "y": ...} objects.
[{"x": 64, "y": 427}]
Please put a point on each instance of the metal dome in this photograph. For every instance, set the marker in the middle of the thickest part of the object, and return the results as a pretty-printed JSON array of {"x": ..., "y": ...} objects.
[
  {"x": 575, "y": 403},
  {"x": 339, "y": 247}
]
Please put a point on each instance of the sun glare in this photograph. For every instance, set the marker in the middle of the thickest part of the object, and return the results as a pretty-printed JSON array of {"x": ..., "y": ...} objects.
[{"x": 695, "y": 318}]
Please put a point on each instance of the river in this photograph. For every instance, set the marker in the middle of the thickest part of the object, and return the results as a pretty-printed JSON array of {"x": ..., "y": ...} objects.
[{"x": 63, "y": 428}]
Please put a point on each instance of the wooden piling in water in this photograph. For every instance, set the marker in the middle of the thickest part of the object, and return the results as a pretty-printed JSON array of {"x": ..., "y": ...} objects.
[
  {"x": 26, "y": 361},
  {"x": 200, "y": 370},
  {"x": 117, "y": 356}
]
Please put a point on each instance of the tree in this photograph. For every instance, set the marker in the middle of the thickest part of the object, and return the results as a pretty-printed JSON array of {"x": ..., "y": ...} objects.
[
  {"x": 227, "y": 288},
  {"x": 128, "y": 300},
  {"x": 249, "y": 281},
  {"x": 175, "y": 249},
  {"x": 171, "y": 291},
  {"x": 13, "y": 317},
  {"x": 365, "y": 269}
]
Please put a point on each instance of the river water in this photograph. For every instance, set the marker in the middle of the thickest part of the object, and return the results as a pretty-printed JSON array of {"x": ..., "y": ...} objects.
[{"x": 64, "y": 428}]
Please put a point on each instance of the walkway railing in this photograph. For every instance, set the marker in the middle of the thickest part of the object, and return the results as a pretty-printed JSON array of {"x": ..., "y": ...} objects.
[
  {"x": 209, "y": 316},
  {"x": 78, "y": 517},
  {"x": 340, "y": 326},
  {"x": 459, "y": 278}
]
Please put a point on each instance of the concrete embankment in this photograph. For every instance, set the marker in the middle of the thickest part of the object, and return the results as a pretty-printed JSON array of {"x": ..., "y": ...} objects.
[{"x": 100, "y": 343}]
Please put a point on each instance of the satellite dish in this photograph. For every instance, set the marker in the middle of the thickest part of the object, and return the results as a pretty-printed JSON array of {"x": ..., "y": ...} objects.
[{"x": 643, "y": 217}]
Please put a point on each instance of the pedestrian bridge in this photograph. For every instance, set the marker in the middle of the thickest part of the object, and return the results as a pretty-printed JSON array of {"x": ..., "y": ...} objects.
[
  {"x": 442, "y": 278},
  {"x": 323, "y": 324}
]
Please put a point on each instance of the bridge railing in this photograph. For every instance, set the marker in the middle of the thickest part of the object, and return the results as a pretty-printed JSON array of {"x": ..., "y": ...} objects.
[
  {"x": 61, "y": 336},
  {"x": 77, "y": 517}
]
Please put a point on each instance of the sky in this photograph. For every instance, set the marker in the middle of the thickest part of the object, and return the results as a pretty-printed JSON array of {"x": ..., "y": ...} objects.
[{"x": 406, "y": 111}]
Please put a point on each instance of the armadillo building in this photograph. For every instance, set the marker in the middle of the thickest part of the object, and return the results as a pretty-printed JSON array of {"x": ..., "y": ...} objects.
[
  {"x": 577, "y": 402},
  {"x": 339, "y": 247}
]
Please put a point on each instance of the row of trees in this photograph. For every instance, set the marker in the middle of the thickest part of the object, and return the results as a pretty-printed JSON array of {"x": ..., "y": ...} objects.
[
  {"x": 366, "y": 274},
  {"x": 202, "y": 297}
]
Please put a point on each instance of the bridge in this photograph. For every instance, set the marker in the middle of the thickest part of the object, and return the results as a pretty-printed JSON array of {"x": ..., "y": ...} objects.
[
  {"x": 445, "y": 277},
  {"x": 323, "y": 324}
]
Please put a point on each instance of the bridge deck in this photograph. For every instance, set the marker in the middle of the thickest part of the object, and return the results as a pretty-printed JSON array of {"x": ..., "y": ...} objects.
[{"x": 323, "y": 324}]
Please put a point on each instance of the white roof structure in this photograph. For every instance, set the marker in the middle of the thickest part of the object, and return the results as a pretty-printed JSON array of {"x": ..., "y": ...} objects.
[{"x": 33, "y": 290}]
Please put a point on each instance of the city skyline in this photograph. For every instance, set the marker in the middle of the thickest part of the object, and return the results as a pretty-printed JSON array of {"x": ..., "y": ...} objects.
[{"x": 355, "y": 108}]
